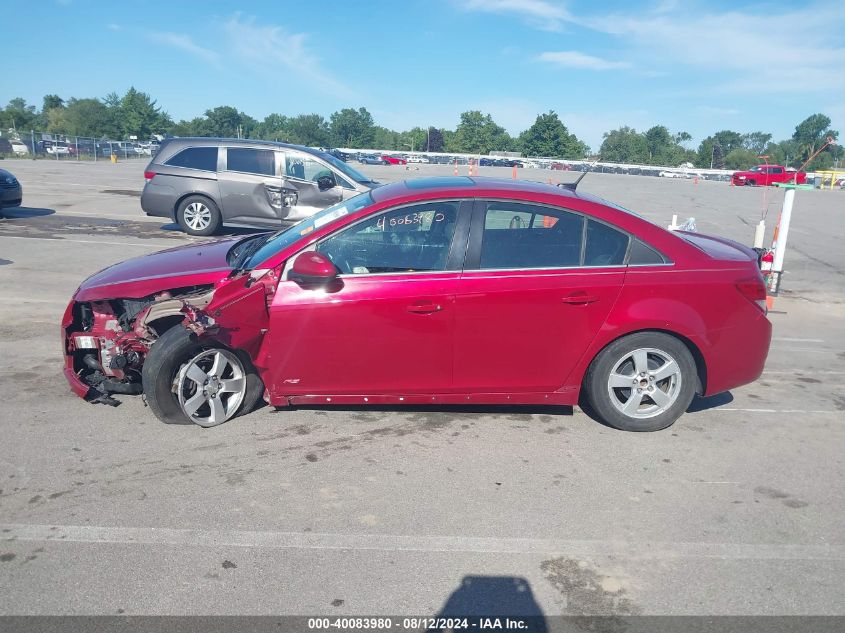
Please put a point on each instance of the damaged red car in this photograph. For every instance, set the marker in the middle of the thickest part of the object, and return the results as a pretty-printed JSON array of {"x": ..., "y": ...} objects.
[{"x": 430, "y": 291}]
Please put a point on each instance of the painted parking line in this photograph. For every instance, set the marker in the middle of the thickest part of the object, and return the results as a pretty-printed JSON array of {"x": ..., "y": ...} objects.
[
  {"x": 412, "y": 543},
  {"x": 69, "y": 241},
  {"x": 839, "y": 413},
  {"x": 785, "y": 339},
  {"x": 788, "y": 372}
]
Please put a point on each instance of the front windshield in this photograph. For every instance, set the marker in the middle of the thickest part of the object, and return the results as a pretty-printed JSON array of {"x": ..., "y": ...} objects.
[
  {"x": 288, "y": 236},
  {"x": 338, "y": 164}
]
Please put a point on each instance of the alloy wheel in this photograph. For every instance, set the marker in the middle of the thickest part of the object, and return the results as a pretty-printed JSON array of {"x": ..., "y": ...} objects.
[
  {"x": 211, "y": 387},
  {"x": 644, "y": 383}
]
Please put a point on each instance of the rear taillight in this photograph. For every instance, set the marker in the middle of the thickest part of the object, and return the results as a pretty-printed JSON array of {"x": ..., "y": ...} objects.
[
  {"x": 753, "y": 289},
  {"x": 149, "y": 175}
]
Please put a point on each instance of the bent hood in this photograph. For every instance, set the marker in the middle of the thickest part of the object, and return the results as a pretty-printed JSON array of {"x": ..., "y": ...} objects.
[{"x": 190, "y": 265}]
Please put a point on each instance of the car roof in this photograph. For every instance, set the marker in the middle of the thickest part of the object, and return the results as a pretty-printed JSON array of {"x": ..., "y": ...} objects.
[
  {"x": 467, "y": 187},
  {"x": 199, "y": 141}
]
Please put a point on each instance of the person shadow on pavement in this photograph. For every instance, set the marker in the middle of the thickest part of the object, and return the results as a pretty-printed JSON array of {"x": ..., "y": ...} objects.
[{"x": 486, "y": 598}]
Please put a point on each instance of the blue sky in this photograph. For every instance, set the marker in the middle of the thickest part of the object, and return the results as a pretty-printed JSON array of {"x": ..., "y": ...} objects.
[{"x": 693, "y": 66}]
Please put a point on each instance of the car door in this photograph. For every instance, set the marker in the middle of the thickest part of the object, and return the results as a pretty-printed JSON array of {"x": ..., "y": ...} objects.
[
  {"x": 315, "y": 182},
  {"x": 250, "y": 185},
  {"x": 386, "y": 326},
  {"x": 538, "y": 284}
]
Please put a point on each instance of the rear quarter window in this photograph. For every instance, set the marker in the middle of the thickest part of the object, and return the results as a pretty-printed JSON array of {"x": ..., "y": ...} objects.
[
  {"x": 642, "y": 254},
  {"x": 203, "y": 158},
  {"x": 605, "y": 246}
]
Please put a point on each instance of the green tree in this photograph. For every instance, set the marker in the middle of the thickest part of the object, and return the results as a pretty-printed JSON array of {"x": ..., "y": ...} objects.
[
  {"x": 624, "y": 145},
  {"x": 352, "y": 128},
  {"x": 53, "y": 101},
  {"x": 477, "y": 133},
  {"x": 413, "y": 140},
  {"x": 435, "y": 141},
  {"x": 549, "y": 137},
  {"x": 385, "y": 139},
  {"x": 138, "y": 114},
  {"x": 88, "y": 117},
  {"x": 810, "y": 135},
  {"x": 718, "y": 156},
  {"x": 309, "y": 129},
  {"x": 756, "y": 141},
  {"x": 741, "y": 158},
  {"x": 18, "y": 115},
  {"x": 225, "y": 122}
]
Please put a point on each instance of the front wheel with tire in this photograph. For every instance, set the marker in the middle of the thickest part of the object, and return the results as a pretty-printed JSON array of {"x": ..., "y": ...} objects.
[
  {"x": 642, "y": 382},
  {"x": 188, "y": 381},
  {"x": 197, "y": 215}
]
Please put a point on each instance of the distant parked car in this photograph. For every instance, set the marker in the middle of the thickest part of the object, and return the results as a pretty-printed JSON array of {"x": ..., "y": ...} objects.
[
  {"x": 418, "y": 159},
  {"x": 370, "y": 159},
  {"x": 768, "y": 175},
  {"x": 485, "y": 162},
  {"x": 57, "y": 148},
  {"x": 203, "y": 183},
  {"x": 11, "y": 192},
  {"x": 394, "y": 160},
  {"x": 19, "y": 148}
]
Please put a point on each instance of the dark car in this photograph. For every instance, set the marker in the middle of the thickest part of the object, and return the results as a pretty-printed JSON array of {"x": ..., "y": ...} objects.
[
  {"x": 436, "y": 291},
  {"x": 203, "y": 183},
  {"x": 11, "y": 192}
]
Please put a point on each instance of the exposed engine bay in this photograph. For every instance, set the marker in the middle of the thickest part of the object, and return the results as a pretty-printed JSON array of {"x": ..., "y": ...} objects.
[{"x": 109, "y": 339}]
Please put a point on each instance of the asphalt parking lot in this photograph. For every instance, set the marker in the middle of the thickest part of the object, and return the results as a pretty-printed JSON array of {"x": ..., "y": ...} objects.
[{"x": 735, "y": 510}]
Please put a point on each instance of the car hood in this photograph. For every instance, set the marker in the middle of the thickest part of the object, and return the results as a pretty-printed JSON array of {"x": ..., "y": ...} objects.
[{"x": 190, "y": 265}]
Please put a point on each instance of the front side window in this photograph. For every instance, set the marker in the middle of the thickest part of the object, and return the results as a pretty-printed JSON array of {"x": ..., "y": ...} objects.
[
  {"x": 261, "y": 162},
  {"x": 415, "y": 238},
  {"x": 519, "y": 235},
  {"x": 204, "y": 158},
  {"x": 305, "y": 168}
]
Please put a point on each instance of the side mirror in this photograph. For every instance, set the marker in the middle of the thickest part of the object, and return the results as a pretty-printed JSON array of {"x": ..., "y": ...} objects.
[
  {"x": 325, "y": 183},
  {"x": 312, "y": 269}
]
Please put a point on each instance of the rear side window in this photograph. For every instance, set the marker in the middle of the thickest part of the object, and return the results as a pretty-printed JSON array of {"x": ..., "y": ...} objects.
[
  {"x": 204, "y": 158},
  {"x": 519, "y": 235},
  {"x": 251, "y": 161},
  {"x": 605, "y": 246},
  {"x": 642, "y": 255}
]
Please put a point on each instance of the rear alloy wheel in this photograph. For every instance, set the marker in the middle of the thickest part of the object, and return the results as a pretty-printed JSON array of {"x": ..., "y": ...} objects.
[
  {"x": 198, "y": 215},
  {"x": 643, "y": 382}
]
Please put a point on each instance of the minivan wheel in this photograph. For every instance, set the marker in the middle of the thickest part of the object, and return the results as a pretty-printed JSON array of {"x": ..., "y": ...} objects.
[
  {"x": 197, "y": 215},
  {"x": 642, "y": 382},
  {"x": 187, "y": 381}
]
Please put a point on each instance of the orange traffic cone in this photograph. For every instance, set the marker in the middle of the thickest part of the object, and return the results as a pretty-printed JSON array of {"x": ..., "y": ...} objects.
[
  {"x": 513, "y": 172},
  {"x": 456, "y": 166}
]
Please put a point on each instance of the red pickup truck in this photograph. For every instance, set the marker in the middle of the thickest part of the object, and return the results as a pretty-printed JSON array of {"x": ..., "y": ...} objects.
[{"x": 768, "y": 175}]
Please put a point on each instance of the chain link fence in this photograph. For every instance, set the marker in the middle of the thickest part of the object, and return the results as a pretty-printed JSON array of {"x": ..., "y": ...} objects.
[{"x": 51, "y": 146}]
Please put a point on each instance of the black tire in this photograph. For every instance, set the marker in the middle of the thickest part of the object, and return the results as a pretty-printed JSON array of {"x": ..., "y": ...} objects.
[
  {"x": 750, "y": 183},
  {"x": 193, "y": 228},
  {"x": 598, "y": 393},
  {"x": 167, "y": 355}
]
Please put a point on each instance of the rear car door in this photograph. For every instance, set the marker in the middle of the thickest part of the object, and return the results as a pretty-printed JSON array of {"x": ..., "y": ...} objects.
[
  {"x": 537, "y": 286},
  {"x": 250, "y": 185},
  {"x": 317, "y": 185},
  {"x": 386, "y": 326}
]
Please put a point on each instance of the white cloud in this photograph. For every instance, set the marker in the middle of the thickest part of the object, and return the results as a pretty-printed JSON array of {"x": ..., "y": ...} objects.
[
  {"x": 540, "y": 13},
  {"x": 759, "y": 52},
  {"x": 575, "y": 59},
  {"x": 272, "y": 48},
  {"x": 707, "y": 110},
  {"x": 184, "y": 43},
  {"x": 114, "y": 27}
]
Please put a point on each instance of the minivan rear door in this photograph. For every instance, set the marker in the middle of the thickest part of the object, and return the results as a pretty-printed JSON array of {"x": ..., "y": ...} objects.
[{"x": 250, "y": 185}]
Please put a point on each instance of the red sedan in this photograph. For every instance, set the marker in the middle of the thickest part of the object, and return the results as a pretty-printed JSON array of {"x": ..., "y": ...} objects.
[
  {"x": 430, "y": 291},
  {"x": 394, "y": 160}
]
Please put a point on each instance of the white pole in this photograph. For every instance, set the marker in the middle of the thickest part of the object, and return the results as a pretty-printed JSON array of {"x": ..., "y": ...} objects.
[
  {"x": 760, "y": 233},
  {"x": 674, "y": 224},
  {"x": 783, "y": 233}
]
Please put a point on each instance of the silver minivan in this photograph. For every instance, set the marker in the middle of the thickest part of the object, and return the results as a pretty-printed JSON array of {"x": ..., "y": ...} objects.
[{"x": 204, "y": 183}]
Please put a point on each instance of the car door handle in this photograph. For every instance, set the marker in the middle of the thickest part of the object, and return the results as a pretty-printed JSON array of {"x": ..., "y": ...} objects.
[
  {"x": 424, "y": 308},
  {"x": 580, "y": 298}
]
